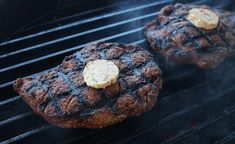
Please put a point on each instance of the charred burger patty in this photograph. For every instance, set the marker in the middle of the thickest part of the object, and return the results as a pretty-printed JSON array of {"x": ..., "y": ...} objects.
[
  {"x": 190, "y": 34},
  {"x": 63, "y": 98}
]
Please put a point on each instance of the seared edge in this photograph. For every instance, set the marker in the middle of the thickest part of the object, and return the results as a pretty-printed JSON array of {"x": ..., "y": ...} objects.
[
  {"x": 179, "y": 41},
  {"x": 62, "y": 97}
]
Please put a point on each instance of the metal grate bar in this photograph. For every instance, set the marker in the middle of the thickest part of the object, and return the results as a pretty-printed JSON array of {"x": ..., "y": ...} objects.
[
  {"x": 11, "y": 82},
  {"x": 77, "y": 138},
  {"x": 15, "y": 118},
  {"x": 86, "y": 21},
  {"x": 227, "y": 139},
  {"x": 9, "y": 100},
  {"x": 62, "y": 19},
  {"x": 77, "y": 35},
  {"x": 29, "y": 133}
]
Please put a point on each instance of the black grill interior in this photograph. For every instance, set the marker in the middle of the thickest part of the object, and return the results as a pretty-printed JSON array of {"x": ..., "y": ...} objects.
[{"x": 195, "y": 106}]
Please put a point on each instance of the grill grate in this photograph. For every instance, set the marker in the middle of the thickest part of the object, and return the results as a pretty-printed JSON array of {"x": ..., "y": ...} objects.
[{"x": 194, "y": 106}]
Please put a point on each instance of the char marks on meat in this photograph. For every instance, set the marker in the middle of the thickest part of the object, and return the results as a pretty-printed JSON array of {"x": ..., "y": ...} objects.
[
  {"x": 177, "y": 39},
  {"x": 62, "y": 97}
]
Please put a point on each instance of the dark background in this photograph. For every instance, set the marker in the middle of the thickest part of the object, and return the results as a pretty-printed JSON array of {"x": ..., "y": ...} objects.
[{"x": 15, "y": 15}]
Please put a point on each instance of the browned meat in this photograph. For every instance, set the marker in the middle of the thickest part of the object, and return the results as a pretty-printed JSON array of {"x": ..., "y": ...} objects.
[
  {"x": 181, "y": 42},
  {"x": 62, "y": 97}
]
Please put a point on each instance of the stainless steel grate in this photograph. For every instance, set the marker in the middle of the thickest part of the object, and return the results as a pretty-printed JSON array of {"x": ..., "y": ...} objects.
[{"x": 195, "y": 105}]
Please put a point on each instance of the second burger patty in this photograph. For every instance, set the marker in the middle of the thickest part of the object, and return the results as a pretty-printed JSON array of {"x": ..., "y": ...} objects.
[
  {"x": 177, "y": 39},
  {"x": 62, "y": 97}
]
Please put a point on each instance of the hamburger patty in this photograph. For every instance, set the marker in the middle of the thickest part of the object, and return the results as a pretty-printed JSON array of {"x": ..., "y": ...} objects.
[
  {"x": 177, "y": 39},
  {"x": 62, "y": 97}
]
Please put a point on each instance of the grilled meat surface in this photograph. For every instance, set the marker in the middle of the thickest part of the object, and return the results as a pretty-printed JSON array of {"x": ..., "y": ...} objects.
[
  {"x": 63, "y": 99},
  {"x": 181, "y": 42}
]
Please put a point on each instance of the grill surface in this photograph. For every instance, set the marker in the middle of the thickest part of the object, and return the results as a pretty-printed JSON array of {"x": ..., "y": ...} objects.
[{"x": 195, "y": 106}]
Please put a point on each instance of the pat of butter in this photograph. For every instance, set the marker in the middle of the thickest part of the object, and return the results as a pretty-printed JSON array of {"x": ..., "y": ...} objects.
[
  {"x": 203, "y": 18},
  {"x": 100, "y": 73}
]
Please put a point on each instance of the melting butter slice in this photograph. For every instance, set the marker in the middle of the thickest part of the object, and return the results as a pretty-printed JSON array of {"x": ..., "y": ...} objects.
[
  {"x": 100, "y": 73},
  {"x": 203, "y": 18}
]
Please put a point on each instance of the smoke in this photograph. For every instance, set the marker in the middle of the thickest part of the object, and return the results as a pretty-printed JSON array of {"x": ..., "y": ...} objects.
[
  {"x": 227, "y": 65},
  {"x": 139, "y": 13},
  {"x": 218, "y": 4},
  {"x": 133, "y": 24}
]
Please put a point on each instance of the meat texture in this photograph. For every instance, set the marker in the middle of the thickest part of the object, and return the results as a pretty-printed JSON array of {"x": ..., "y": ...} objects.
[
  {"x": 63, "y": 99},
  {"x": 180, "y": 42}
]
